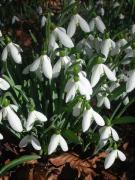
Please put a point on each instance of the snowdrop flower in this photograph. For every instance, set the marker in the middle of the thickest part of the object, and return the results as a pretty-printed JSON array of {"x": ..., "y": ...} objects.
[
  {"x": 130, "y": 84},
  {"x": 116, "y": 4},
  {"x": 103, "y": 100},
  {"x": 88, "y": 116},
  {"x": 43, "y": 21},
  {"x": 34, "y": 116},
  {"x": 39, "y": 10},
  {"x": 30, "y": 139},
  {"x": 62, "y": 62},
  {"x": 121, "y": 16},
  {"x": 15, "y": 19},
  {"x": 4, "y": 85},
  {"x": 82, "y": 85},
  {"x": 98, "y": 70},
  {"x": 106, "y": 46},
  {"x": 77, "y": 109},
  {"x": 14, "y": 51},
  {"x": 98, "y": 23},
  {"x": 85, "y": 47},
  {"x": 133, "y": 29},
  {"x": 77, "y": 20},
  {"x": 60, "y": 34},
  {"x": 0, "y": 33},
  {"x": 106, "y": 132},
  {"x": 57, "y": 139},
  {"x": 1, "y": 136},
  {"x": 109, "y": 160},
  {"x": 44, "y": 63},
  {"x": 9, "y": 114},
  {"x": 102, "y": 11}
]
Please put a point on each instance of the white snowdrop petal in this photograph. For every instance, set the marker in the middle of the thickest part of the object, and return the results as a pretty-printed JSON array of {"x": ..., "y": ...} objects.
[
  {"x": 15, "y": 53},
  {"x": 35, "y": 65},
  {"x": 100, "y": 101},
  {"x": 107, "y": 103},
  {"x": 64, "y": 39},
  {"x": 30, "y": 121},
  {"x": 77, "y": 109},
  {"x": 1, "y": 112},
  {"x": 130, "y": 85},
  {"x": 86, "y": 85},
  {"x": 96, "y": 73},
  {"x": 109, "y": 160},
  {"x": 1, "y": 136},
  {"x": 110, "y": 75},
  {"x": 92, "y": 25},
  {"x": 106, "y": 133},
  {"x": 52, "y": 41},
  {"x": 43, "y": 21},
  {"x": 69, "y": 85},
  {"x": 114, "y": 134},
  {"x": 71, "y": 27},
  {"x": 47, "y": 67},
  {"x": 4, "y": 54},
  {"x": 56, "y": 69},
  {"x": 87, "y": 120},
  {"x": 71, "y": 93},
  {"x": 24, "y": 141},
  {"x": 99, "y": 24},
  {"x": 99, "y": 120},
  {"x": 63, "y": 143},
  {"x": 4, "y": 85},
  {"x": 53, "y": 143},
  {"x": 40, "y": 116},
  {"x": 121, "y": 155},
  {"x": 35, "y": 143},
  {"x": 14, "y": 120},
  {"x": 83, "y": 24}
]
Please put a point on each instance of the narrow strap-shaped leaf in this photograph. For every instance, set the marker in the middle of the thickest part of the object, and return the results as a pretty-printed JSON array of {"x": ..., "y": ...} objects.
[{"x": 16, "y": 162}]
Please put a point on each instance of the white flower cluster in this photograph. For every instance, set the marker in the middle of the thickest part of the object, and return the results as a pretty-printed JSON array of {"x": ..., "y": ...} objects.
[{"x": 92, "y": 72}]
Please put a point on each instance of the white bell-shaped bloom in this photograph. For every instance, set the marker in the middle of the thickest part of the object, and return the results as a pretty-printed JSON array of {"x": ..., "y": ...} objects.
[
  {"x": 88, "y": 117},
  {"x": 98, "y": 23},
  {"x": 60, "y": 34},
  {"x": 39, "y": 10},
  {"x": 34, "y": 116},
  {"x": 77, "y": 109},
  {"x": 99, "y": 70},
  {"x": 62, "y": 62},
  {"x": 130, "y": 84},
  {"x": 1, "y": 136},
  {"x": 121, "y": 16},
  {"x": 82, "y": 85},
  {"x": 44, "y": 63},
  {"x": 30, "y": 139},
  {"x": 133, "y": 29},
  {"x": 0, "y": 34},
  {"x": 4, "y": 85},
  {"x": 106, "y": 132},
  {"x": 57, "y": 139},
  {"x": 14, "y": 51},
  {"x": 109, "y": 160},
  {"x": 106, "y": 46},
  {"x": 77, "y": 20},
  {"x": 15, "y": 19},
  {"x": 116, "y": 4},
  {"x": 9, "y": 114},
  {"x": 103, "y": 100},
  {"x": 43, "y": 21}
]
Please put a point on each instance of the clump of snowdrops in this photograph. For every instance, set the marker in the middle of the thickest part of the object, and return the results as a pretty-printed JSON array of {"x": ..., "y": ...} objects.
[{"x": 75, "y": 88}]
